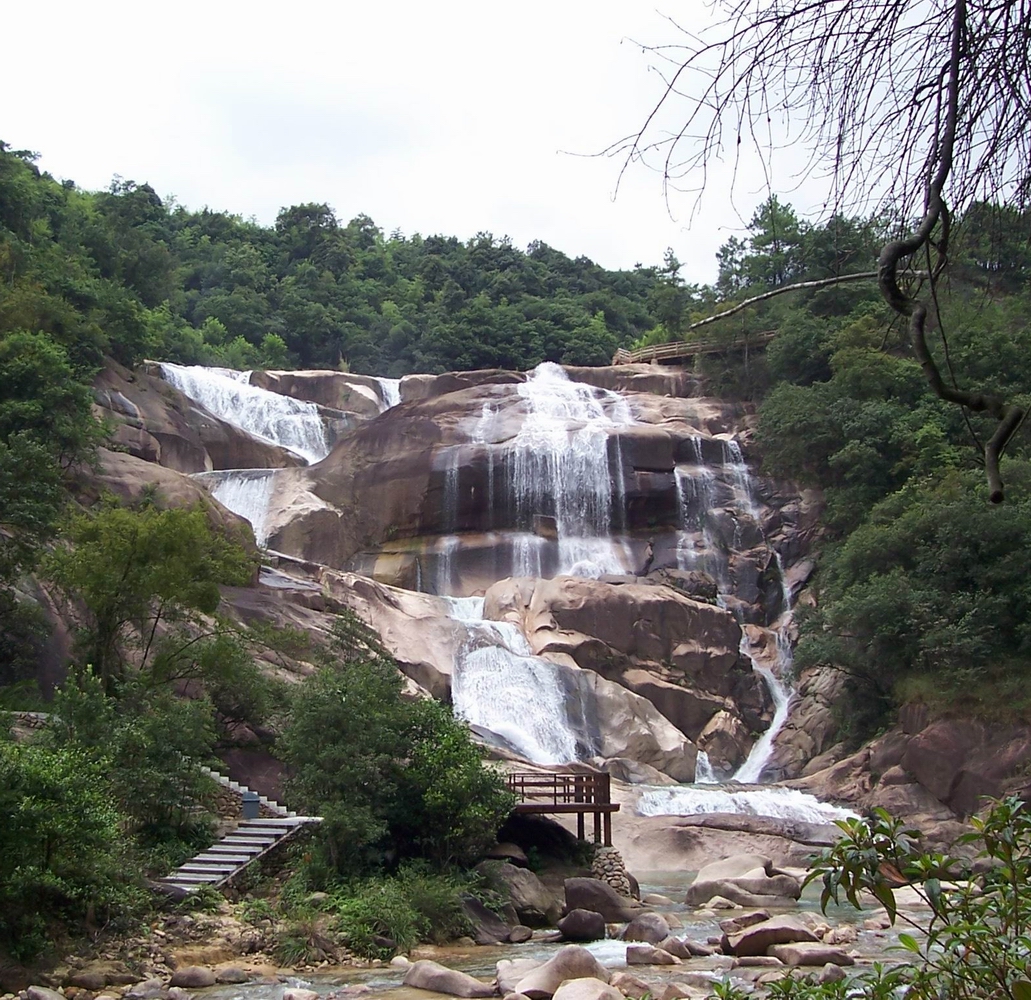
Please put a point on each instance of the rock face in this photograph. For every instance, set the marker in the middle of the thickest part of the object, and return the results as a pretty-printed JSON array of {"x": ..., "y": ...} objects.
[
  {"x": 680, "y": 654},
  {"x": 930, "y": 771}
]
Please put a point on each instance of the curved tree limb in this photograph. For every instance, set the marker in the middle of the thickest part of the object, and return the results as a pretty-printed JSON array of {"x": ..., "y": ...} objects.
[{"x": 1008, "y": 415}]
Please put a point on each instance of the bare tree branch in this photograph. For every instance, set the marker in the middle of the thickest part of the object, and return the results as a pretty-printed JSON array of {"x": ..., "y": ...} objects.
[{"x": 903, "y": 105}]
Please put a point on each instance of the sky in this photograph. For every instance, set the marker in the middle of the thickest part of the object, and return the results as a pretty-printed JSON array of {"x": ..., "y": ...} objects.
[{"x": 449, "y": 117}]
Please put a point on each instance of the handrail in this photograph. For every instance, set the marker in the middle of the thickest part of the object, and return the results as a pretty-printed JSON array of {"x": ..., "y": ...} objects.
[
  {"x": 560, "y": 788},
  {"x": 684, "y": 349}
]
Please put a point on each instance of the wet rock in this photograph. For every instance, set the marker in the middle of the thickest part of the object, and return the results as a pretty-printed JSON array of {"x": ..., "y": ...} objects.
[
  {"x": 587, "y": 988},
  {"x": 569, "y": 962},
  {"x": 630, "y": 985},
  {"x": 487, "y": 926},
  {"x": 582, "y": 925},
  {"x": 646, "y": 954},
  {"x": 519, "y": 933},
  {"x": 810, "y": 953},
  {"x": 757, "y": 961},
  {"x": 427, "y": 975},
  {"x": 757, "y": 938},
  {"x": 593, "y": 894},
  {"x": 648, "y": 927},
  {"x": 179, "y": 993}
]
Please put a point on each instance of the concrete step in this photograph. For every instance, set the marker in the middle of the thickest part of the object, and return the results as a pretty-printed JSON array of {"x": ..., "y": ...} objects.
[
  {"x": 199, "y": 867},
  {"x": 236, "y": 859},
  {"x": 222, "y": 847},
  {"x": 197, "y": 878},
  {"x": 252, "y": 840}
]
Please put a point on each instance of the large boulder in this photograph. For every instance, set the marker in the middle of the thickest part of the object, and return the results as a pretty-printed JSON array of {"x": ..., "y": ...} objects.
[
  {"x": 193, "y": 977},
  {"x": 569, "y": 962},
  {"x": 487, "y": 926},
  {"x": 535, "y": 905},
  {"x": 647, "y": 954},
  {"x": 594, "y": 894},
  {"x": 756, "y": 938},
  {"x": 747, "y": 879},
  {"x": 582, "y": 925},
  {"x": 651, "y": 928},
  {"x": 427, "y": 975}
]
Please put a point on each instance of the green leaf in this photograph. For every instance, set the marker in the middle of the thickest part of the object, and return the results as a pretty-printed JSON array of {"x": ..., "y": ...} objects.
[
  {"x": 1021, "y": 990},
  {"x": 909, "y": 943}
]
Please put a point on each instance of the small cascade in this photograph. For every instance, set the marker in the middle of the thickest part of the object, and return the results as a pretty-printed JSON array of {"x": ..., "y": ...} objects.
[
  {"x": 246, "y": 492},
  {"x": 292, "y": 424},
  {"x": 734, "y": 461},
  {"x": 482, "y": 436},
  {"x": 771, "y": 800},
  {"x": 446, "y": 549},
  {"x": 390, "y": 392},
  {"x": 703, "y": 772},
  {"x": 559, "y": 467},
  {"x": 511, "y": 696},
  {"x": 751, "y": 770}
]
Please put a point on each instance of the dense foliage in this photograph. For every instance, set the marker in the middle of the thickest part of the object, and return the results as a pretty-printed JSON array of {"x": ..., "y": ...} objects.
[{"x": 121, "y": 273}]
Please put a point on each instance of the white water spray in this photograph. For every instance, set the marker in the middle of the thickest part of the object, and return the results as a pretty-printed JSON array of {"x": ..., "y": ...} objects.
[
  {"x": 521, "y": 700},
  {"x": 560, "y": 467},
  {"x": 246, "y": 492},
  {"x": 390, "y": 391},
  {"x": 293, "y": 424}
]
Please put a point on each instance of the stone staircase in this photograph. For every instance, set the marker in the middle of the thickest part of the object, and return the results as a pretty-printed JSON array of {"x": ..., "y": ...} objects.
[{"x": 248, "y": 841}]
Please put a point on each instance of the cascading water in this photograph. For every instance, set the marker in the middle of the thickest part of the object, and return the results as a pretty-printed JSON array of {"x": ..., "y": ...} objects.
[
  {"x": 390, "y": 391},
  {"x": 512, "y": 697},
  {"x": 292, "y": 424},
  {"x": 559, "y": 467},
  {"x": 246, "y": 492},
  {"x": 773, "y": 800}
]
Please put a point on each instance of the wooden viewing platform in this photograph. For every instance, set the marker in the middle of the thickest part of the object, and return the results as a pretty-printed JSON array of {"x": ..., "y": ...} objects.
[
  {"x": 567, "y": 792},
  {"x": 681, "y": 350}
]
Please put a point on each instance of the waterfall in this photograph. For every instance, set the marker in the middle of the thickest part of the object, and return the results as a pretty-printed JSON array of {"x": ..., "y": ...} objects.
[
  {"x": 246, "y": 492},
  {"x": 290, "y": 423},
  {"x": 559, "y": 467},
  {"x": 390, "y": 392},
  {"x": 517, "y": 699}
]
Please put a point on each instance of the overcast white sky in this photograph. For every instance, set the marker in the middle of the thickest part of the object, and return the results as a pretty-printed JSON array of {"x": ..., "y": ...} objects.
[{"x": 433, "y": 117}]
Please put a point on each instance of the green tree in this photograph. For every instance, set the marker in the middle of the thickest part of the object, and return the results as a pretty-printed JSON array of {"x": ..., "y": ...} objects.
[
  {"x": 393, "y": 778},
  {"x": 61, "y": 849},
  {"x": 148, "y": 582}
]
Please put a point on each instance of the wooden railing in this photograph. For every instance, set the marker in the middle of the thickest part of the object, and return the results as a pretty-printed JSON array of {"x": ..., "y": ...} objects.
[
  {"x": 567, "y": 792},
  {"x": 682, "y": 349}
]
